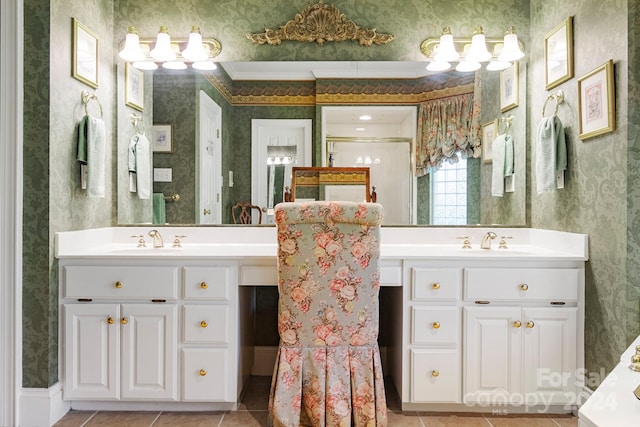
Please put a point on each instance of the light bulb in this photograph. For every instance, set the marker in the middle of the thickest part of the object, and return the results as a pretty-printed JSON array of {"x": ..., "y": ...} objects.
[
  {"x": 478, "y": 51},
  {"x": 467, "y": 66},
  {"x": 174, "y": 65},
  {"x": 498, "y": 65},
  {"x": 162, "y": 50},
  {"x": 195, "y": 50},
  {"x": 446, "y": 49},
  {"x": 511, "y": 50},
  {"x": 132, "y": 51},
  {"x": 438, "y": 66},
  {"x": 204, "y": 65}
]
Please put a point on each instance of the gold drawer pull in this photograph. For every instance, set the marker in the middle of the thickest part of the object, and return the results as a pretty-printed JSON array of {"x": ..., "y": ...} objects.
[
  {"x": 435, "y": 373},
  {"x": 517, "y": 324},
  {"x": 436, "y": 325},
  {"x": 436, "y": 286},
  {"x": 110, "y": 320},
  {"x": 530, "y": 324},
  {"x": 524, "y": 287},
  {"x": 204, "y": 285},
  {"x": 118, "y": 284},
  {"x": 124, "y": 320},
  {"x": 204, "y": 324},
  {"x": 203, "y": 372}
]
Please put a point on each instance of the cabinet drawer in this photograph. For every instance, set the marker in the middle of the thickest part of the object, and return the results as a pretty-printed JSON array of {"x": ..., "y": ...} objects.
[
  {"x": 522, "y": 284},
  {"x": 435, "y": 284},
  {"x": 206, "y": 324},
  {"x": 206, "y": 375},
  {"x": 116, "y": 282},
  {"x": 258, "y": 275},
  {"x": 435, "y": 325},
  {"x": 390, "y": 273},
  {"x": 435, "y": 376},
  {"x": 207, "y": 283}
]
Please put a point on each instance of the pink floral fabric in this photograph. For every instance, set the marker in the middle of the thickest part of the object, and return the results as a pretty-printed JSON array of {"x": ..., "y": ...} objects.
[{"x": 328, "y": 370}]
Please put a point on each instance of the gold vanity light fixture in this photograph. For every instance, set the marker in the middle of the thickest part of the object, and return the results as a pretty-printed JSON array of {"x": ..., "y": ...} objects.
[
  {"x": 471, "y": 52},
  {"x": 171, "y": 53}
]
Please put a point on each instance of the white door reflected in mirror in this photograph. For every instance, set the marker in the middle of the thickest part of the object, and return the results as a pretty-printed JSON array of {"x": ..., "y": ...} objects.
[{"x": 276, "y": 146}]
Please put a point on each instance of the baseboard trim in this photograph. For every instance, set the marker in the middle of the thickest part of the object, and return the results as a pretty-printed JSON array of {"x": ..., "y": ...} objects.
[{"x": 42, "y": 406}]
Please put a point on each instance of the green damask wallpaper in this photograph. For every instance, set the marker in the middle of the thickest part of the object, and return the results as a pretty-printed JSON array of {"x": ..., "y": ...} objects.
[{"x": 601, "y": 197}]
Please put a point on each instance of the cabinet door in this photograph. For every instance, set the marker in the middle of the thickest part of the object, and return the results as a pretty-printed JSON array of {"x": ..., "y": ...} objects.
[
  {"x": 149, "y": 346},
  {"x": 550, "y": 355},
  {"x": 493, "y": 353},
  {"x": 91, "y": 351}
]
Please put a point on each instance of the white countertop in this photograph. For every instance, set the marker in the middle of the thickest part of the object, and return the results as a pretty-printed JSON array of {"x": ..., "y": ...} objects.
[
  {"x": 613, "y": 404},
  {"x": 250, "y": 242}
]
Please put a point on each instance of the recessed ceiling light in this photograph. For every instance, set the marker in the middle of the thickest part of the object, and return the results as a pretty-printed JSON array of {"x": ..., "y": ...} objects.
[
  {"x": 365, "y": 117},
  {"x": 360, "y": 129}
]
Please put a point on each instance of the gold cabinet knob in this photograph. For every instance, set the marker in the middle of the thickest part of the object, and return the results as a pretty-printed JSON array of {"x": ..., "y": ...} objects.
[
  {"x": 436, "y": 286},
  {"x": 435, "y": 373},
  {"x": 530, "y": 324},
  {"x": 203, "y": 372},
  {"x": 204, "y": 324},
  {"x": 118, "y": 284},
  {"x": 110, "y": 320},
  {"x": 124, "y": 320},
  {"x": 524, "y": 287},
  {"x": 204, "y": 285},
  {"x": 436, "y": 325},
  {"x": 517, "y": 324}
]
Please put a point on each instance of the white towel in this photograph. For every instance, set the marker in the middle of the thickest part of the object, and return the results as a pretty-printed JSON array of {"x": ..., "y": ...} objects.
[
  {"x": 96, "y": 151},
  {"x": 502, "y": 151},
  {"x": 551, "y": 153},
  {"x": 140, "y": 163}
]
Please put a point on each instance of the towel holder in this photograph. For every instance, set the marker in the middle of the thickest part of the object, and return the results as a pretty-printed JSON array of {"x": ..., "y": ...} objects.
[
  {"x": 135, "y": 120},
  {"x": 558, "y": 97},
  {"x": 87, "y": 97},
  {"x": 506, "y": 121},
  {"x": 172, "y": 198}
]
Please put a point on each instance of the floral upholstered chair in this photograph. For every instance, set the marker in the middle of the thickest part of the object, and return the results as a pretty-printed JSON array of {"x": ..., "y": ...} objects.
[{"x": 328, "y": 370}]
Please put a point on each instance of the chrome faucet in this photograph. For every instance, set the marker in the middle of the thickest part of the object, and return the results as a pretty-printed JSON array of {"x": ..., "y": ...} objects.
[
  {"x": 486, "y": 240},
  {"x": 157, "y": 239}
]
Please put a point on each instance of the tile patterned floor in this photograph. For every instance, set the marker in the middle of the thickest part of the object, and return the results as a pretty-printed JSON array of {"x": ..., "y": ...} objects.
[{"x": 252, "y": 412}]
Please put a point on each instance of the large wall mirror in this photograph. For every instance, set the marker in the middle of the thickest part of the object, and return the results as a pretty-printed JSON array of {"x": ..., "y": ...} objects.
[{"x": 172, "y": 98}]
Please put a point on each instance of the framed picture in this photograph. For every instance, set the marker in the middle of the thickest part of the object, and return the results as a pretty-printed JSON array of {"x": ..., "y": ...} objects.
[
  {"x": 558, "y": 54},
  {"x": 134, "y": 87},
  {"x": 596, "y": 102},
  {"x": 84, "y": 62},
  {"x": 162, "y": 139},
  {"x": 509, "y": 88},
  {"x": 489, "y": 133}
]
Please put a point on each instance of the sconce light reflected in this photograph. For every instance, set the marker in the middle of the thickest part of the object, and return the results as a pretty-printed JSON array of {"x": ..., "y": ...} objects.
[{"x": 470, "y": 52}]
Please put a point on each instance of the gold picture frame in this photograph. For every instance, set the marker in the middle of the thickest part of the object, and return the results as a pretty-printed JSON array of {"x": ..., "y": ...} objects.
[
  {"x": 162, "y": 138},
  {"x": 558, "y": 54},
  {"x": 133, "y": 87},
  {"x": 489, "y": 133},
  {"x": 509, "y": 88},
  {"x": 84, "y": 57},
  {"x": 596, "y": 102}
]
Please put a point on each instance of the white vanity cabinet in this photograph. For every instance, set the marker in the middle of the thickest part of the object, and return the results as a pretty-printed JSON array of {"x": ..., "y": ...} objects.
[
  {"x": 520, "y": 336},
  {"x": 208, "y": 353},
  {"x": 149, "y": 330},
  {"x": 434, "y": 324},
  {"x": 123, "y": 349}
]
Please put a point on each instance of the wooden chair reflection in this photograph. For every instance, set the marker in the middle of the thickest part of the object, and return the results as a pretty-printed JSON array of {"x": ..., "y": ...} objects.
[{"x": 241, "y": 213}]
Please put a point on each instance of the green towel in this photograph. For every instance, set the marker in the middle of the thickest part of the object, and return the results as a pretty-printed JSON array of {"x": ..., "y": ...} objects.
[{"x": 159, "y": 211}]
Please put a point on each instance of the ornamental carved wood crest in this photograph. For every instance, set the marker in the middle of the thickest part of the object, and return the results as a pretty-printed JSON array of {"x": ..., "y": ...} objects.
[{"x": 320, "y": 23}]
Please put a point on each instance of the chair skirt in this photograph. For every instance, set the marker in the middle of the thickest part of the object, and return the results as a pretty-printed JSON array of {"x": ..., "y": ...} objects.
[{"x": 328, "y": 386}]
